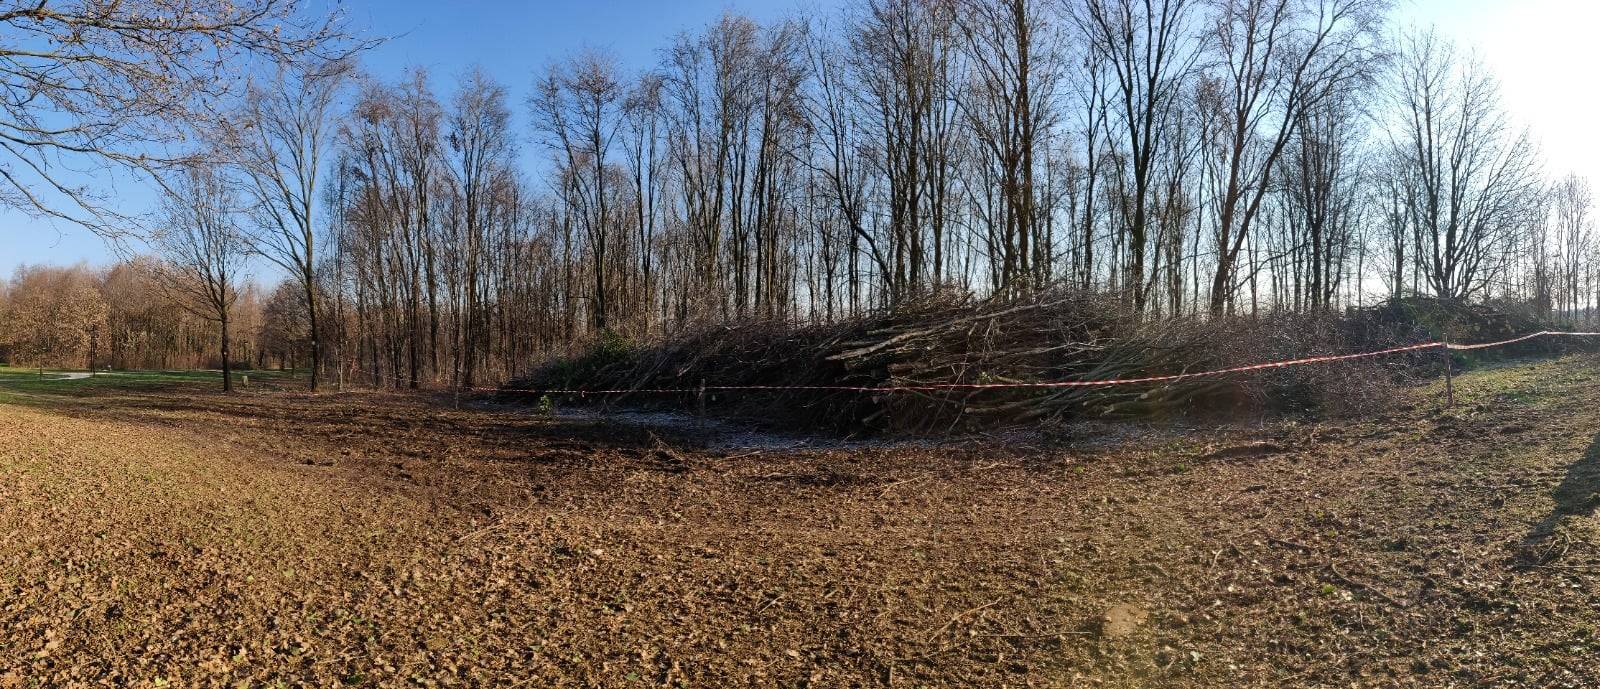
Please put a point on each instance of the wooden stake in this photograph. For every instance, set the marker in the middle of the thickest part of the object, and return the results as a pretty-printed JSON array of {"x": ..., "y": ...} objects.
[
  {"x": 700, "y": 404},
  {"x": 1449, "y": 378}
]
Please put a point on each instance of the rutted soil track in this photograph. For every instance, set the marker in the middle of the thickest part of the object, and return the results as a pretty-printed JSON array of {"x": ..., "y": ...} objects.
[{"x": 187, "y": 539}]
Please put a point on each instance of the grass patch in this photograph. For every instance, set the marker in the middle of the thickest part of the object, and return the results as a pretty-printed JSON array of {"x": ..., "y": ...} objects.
[
  {"x": 19, "y": 385},
  {"x": 1519, "y": 381}
]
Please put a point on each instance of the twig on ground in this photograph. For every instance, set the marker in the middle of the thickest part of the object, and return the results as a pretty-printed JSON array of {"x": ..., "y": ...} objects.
[
  {"x": 958, "y": 616},
  {"x": 496, "y": 525},
  {"x": 1289, "y": 544},
  {"x": 1571, "y": 568},
  {"x": 769, "y": 603},
  {"x": 901, "y": 482},
  {"x": 1333, "y": 567},
  {"x": 1041, "y": 635}
]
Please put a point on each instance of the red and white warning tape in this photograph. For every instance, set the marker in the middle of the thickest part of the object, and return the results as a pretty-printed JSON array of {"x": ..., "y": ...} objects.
[
  {"x": 1554, "y": 333},
  {"x": 935, "y": 387}
]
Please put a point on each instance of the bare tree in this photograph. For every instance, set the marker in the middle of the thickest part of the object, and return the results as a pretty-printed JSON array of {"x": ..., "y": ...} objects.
[
  {"x": 204, "y": 251},
  {"x": 278, "y": 144},
  {"x": 642, "y": 110},
  {"x": 900, "y": 58},
  {"x": 480, "y": 137},
  {"x": 1148, "y": 49},
  {"x": 1277, "y": 60},
  {"x": 1570, "y": 206},
  {"x": 1323, "y": 184},
  {"x": 1213, "y": 151},
  {"x": 1468, "y": 180},
  {"x": 837, "y": 159},
  {"x": 1016, "y": 65},
  {"x": 578, "y": 108}
]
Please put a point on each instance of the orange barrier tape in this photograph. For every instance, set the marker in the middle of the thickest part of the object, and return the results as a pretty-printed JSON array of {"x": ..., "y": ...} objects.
[
  {"x": 1519, "y": 339},
  {"x": 936, "y": 387}
]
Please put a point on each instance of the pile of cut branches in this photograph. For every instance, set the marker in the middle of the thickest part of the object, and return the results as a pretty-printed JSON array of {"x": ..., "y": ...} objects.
[{"x": 1058, "y": 335}]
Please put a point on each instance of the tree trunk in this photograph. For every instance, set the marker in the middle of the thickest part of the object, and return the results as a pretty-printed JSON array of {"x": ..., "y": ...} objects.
[
  {"x": 316, "y": 344},
  {"x": 227, "y": 355}
]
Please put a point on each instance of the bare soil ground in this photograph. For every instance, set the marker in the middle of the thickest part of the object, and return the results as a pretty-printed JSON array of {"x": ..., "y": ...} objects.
[{"x": 179, "y": 538}]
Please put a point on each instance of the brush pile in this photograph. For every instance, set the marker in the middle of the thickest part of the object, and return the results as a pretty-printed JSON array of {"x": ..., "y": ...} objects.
[{"x": 1054, "y": 336}]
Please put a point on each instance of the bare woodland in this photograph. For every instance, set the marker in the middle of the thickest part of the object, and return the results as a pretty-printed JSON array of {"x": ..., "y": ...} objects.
[
  {"x": 1010, "y": 329},
  {"x": 1191, "y": 158}
]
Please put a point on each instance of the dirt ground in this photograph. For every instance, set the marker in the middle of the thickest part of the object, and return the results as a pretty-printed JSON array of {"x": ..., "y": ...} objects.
[{"x": 179, "y": 538}]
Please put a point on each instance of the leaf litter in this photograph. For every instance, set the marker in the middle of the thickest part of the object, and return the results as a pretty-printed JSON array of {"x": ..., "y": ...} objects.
[{"x": 180, "y": 538}]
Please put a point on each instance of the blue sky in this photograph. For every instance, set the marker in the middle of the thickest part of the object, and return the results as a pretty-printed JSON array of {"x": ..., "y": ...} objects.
[
  {"x": 512, "y": 40},
  {"x": 1542, "y": 50}
]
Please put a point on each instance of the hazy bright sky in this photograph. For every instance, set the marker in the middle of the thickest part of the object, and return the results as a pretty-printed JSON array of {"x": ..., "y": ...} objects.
[
  {"x": 1547, "y": 57},
  {"x": 1545, "y": 53}
]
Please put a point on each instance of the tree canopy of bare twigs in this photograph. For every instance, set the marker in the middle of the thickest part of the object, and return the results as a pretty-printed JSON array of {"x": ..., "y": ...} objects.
[
  {"x": 98, "y": 86},
  {"x": 205, "y": 251},
  {"x": 279, "y": 144},
  {"x": 1191, "y": 159}
]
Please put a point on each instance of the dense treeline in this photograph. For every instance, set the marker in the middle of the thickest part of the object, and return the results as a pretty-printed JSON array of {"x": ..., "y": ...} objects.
[
  {"x": 130, "y": 316},
  {"x": 101, "y": 91},
  {"x": 1193, "y": 158},
  {"x": 1196, "y": 158}
]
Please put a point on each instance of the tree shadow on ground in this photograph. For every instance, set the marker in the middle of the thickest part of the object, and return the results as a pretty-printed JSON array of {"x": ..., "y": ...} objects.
[
  {"x": 1578, "y": 495},
  {"x": 415, "y": 421}
]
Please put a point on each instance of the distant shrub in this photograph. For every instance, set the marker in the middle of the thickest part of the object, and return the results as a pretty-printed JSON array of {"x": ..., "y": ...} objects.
[
  {"x": 609, "y": 350},
  {"x": 613, "y": 346}
]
